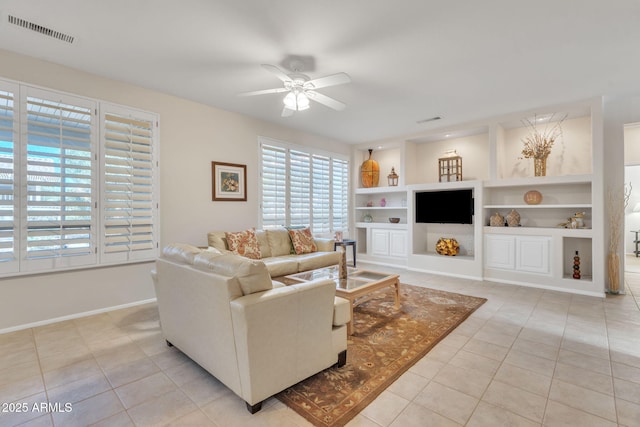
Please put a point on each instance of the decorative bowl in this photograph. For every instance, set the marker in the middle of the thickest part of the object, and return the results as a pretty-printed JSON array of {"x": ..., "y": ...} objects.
[{"x": 394, "y": 220}]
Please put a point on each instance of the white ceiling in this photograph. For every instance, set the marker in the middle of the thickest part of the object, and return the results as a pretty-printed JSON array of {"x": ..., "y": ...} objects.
[{"x": 408, "y": 59}]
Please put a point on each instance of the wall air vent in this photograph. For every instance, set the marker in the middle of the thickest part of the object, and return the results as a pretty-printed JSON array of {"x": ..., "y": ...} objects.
[{"x": 40, "y": 29}]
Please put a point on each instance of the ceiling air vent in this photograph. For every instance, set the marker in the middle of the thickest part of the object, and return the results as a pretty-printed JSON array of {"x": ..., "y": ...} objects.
[
  {"x": 40, "y": 29},
  {"x": 430, "y": 119}
]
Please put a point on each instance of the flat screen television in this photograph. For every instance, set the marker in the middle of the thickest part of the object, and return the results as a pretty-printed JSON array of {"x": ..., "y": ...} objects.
[{"x": 444, "y": 207}]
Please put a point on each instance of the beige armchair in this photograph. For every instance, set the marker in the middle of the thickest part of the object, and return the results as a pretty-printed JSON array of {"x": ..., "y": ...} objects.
[{"x": 256, "y": 336}]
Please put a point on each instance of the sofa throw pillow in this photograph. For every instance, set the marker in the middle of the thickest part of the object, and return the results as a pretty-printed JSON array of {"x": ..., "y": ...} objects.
[
  {"x": 302, "y": 241},
  {"x": 244, "y": 243}
]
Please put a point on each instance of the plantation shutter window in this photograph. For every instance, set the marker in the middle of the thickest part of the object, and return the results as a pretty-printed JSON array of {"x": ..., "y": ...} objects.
[
  {"x": 321, "y": 195},
  {"x": 340, "y": 195},
  {"x": 78, "y": 182},
  {"x": 58, "y": 180},
  {"x": 274, "y": 187},
  {"x": 302, "y": 188},
  {"x": 8, "y": 222},
  {"x": 129, "y": 207}
]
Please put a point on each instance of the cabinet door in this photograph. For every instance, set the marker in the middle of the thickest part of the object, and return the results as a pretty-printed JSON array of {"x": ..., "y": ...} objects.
[
  {"x": 379, "y": 242},
  {"x": 532, "y": 254},
  {"x": 398, "y": 243},
  {"x": 499, "y": 251}
]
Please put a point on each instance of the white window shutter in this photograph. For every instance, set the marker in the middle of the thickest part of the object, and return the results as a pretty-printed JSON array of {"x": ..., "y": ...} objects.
[
  {"x": 9, "y": 242},
  {"x": 340, "y": 195},
  {"x": 300, "y": 189},
  {"x": 321, "y": 195},
  {"x": 58, "y": 178},
  {"x": 274, "y": 186},
  {"x": 129, "y": 200}
]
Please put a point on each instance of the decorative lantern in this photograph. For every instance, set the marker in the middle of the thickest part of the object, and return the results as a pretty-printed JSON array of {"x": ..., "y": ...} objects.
[
  {"x": 450, "y": 167},
  {"x": 370, "y": 172},
  {"x": 393, "y": 178}
]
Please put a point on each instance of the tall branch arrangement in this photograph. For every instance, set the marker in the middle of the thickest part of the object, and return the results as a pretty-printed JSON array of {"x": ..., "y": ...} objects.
[
  {"x": 617, "y": 201},
  {"x": 539, "y": 142}
]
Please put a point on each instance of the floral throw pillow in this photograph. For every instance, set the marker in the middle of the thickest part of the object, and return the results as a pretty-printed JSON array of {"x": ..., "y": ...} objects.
[
  {"x": 244, "y": 243},
  {"x": 302, "y": 241}
]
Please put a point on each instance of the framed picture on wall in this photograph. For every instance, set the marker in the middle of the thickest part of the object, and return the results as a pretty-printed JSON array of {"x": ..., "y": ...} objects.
[{"x": 229, "y": 182}]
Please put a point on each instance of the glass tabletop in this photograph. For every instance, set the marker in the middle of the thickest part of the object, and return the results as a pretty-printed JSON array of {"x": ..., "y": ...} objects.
[{"x": 355, "y": 278}]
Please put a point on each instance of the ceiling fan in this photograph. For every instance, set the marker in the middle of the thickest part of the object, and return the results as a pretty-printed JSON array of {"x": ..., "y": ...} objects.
[{"x": 301, "y": 89}]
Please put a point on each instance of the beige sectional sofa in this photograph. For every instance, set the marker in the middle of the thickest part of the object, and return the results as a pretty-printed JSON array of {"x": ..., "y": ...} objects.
[
  {"x": 275, "y": 247},
  {"x": 256, "y": 336}
]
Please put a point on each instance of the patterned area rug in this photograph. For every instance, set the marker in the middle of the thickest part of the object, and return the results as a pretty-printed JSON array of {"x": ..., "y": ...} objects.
[{"x": 385, "y": 344}]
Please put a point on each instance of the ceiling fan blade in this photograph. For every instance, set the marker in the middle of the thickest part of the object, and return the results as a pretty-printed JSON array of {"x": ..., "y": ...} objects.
[
  {"x": 286, "y": 112},
  {"x": 264, "y": 92},
  {"x": 332, "y": 80},
  {"x": 325, "y": 100},
  {"x": 277, "y": 72}
]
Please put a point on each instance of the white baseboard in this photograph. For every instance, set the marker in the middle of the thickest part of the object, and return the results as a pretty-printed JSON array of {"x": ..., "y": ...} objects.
[{"x": 74, "y": 316}]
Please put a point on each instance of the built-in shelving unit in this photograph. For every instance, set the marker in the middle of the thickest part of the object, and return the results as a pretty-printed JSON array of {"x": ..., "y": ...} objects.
[
  {"x": 539, "y": 252},
  {"x": 562, "y": 197},
  {"x": 370, "y": 201},
  {"x": 381, "y": 240},
  {"x": 424, "y": 237}
]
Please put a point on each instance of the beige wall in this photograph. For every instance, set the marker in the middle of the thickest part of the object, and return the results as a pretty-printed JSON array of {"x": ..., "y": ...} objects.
[
  {"x": 570, "y": 155},
  {"x": 632, "y": 144},
  {"x": 191, "y": 136},
  {"x": 474, "y": 151}
]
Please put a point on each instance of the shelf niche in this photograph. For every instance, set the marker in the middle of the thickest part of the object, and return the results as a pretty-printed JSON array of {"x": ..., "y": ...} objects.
[
  {"x": 569, "y": 247},
  {"x": 571, "y": 153}
]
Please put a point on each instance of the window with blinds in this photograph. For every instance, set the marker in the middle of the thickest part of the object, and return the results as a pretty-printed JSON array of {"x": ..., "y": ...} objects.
[
  {"x": 128, "y": 192},
  {"x": 302, "y": 188},
  {"x": 58, "y": 222},
  {"x": 299, "y": 189},
  {"x": 321, "y": 187},
  {"x": 340, "y": 205},
  {"x": 66, "y": 174},
  {"x": 8, "y": 223},
  {"x": 273, "y": 186}
]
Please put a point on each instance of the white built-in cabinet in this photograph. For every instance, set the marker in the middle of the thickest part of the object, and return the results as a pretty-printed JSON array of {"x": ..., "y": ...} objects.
[
  {"x": 379, "y": 239},
  {"x": 540, "y": 251},
  {"x": 523, "y": 254},
  {"x": 500, "y": 252},
  {"x": 388, "y": 242}
]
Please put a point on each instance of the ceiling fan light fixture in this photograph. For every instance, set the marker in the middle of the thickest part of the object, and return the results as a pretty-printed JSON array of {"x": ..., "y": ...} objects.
[
  {"x": 301, "y": 90},
  {"x": 290, "y": 101},
  {"x": 303, "y": 101},
  {"x": 296, "y": 101}
]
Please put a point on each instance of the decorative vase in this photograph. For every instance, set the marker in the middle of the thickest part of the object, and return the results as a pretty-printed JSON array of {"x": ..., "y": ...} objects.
[
  {"x": 370, "y": 172},
  {"x": 576, "y": 266},
  {"x": 342, "y": 263},
  {"x": 513, "y": 218},
  {"x": 613, "y": 266},
  {"x": 533, "y": 197},
  {"x": 383, "y": 202},
  {"x": 496, "y": 220},
  {"x": 540, "y": 166},
  {"x": 447, "y": 246}
]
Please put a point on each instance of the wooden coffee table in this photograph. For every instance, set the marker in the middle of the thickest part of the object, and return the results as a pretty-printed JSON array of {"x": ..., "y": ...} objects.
[{"x": 358, "y": 287}]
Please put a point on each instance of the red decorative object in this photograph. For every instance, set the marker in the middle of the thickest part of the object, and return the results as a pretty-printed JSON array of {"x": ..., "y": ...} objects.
[{"x": 576, "y": 266}]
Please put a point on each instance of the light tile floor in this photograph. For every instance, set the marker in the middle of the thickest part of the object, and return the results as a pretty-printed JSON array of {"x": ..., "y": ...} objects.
[{"x": 527, "y": 357}]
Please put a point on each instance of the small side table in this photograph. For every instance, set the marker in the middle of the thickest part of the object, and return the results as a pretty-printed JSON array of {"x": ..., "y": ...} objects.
[
  {"x": 345, "y": 243},
  {"x": 636, "y": 241}
]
